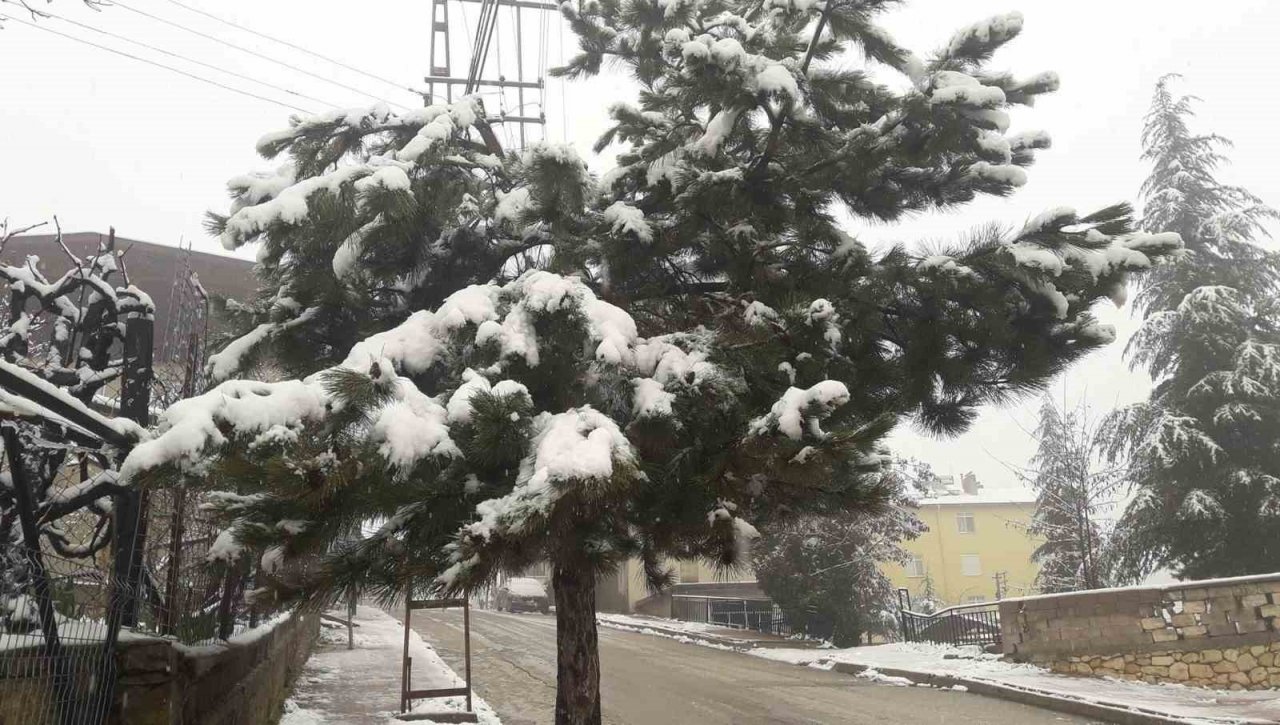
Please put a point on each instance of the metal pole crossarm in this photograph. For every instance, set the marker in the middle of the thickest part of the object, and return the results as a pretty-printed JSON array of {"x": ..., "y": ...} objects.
[
  {"x": 517, "y": 119},
  {"x": 498, "y": 83},
  {"x": 520, "y": 4}
]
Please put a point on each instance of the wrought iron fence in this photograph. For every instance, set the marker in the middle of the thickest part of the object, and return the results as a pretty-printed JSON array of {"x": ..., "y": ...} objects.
[{"x": 976, "y": 624}]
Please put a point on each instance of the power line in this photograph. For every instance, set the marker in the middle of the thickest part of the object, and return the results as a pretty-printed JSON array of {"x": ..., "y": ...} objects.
[
  {"x": 299, "y": 48},
  {"x": 179, "y": 56},
  {"x": 158, "y": 65},
  {"x": 254, "y": 53}
]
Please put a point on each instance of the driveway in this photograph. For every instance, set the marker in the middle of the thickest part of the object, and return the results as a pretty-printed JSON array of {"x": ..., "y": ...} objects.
[{"x": 648, "y": 680}]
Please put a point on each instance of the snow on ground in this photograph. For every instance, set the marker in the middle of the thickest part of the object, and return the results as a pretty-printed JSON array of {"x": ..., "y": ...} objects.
[
  {"x": 361, "y": 686},
  {"x": 1183, "y": 703},
  {"x": 1190, "y": 704},
  {"x": 627, "y": 620}
]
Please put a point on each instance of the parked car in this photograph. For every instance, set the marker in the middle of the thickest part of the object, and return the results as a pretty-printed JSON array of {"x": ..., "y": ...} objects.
[{"x": 523, "y": 594}]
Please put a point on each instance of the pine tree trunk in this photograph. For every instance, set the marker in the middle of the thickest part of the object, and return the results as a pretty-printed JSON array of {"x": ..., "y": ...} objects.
[{"x": 577, "y": 646}]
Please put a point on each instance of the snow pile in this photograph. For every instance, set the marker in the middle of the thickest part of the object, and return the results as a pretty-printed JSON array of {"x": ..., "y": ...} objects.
[
  {"x": 988, "y": 33},
  {"x": 651, "y": 400},
  {"x": 626, "y": 219},
  {"x": 954, "y": 88},
  {"x": 581, "y": 444},
  {"x": 799, "y": 409},
  {"x": 266, "y": 199},
  {"x": 190, "y": 426},
  {"x": 412, "y": 428}
]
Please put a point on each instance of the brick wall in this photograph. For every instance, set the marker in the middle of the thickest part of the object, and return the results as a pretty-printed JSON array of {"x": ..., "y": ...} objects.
[{"x": 1223, "y": 632}]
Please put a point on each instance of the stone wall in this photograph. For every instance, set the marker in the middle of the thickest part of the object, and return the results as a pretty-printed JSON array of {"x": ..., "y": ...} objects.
[
  {"x": 1218, "y": 633},
  {"x": 241, "y": 682}
]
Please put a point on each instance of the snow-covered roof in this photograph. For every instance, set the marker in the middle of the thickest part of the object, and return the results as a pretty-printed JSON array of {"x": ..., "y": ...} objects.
[{"x": 987, "y": 496}]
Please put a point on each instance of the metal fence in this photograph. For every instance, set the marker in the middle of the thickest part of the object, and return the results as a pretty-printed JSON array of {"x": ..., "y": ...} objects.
[
  {"x": 58, "y": 640},
  {"x": 976, "y": 624},
  {"x": 759, "y": 615}
]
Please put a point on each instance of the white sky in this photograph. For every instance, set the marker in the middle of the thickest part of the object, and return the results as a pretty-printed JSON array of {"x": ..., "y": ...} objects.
[{"x": 103, "y": 140}]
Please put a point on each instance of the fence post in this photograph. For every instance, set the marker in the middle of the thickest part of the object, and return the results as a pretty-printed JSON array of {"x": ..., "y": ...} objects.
[
  {"x": 351, "y": 615},
  {"x": 172, "y": 588},
  {"x": 40, "y": 577}
]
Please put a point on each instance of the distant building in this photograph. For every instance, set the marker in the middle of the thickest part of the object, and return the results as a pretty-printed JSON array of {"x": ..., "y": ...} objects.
[
  {"x": 976, "y": 549},
  {"x": 977, "y": 541},
  {"x": 152, "y": 267},
  {"x": 625, "y": 589}
]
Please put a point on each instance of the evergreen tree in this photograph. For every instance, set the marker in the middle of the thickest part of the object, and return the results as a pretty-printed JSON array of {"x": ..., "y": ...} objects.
[
  {"x": 1206, "y": 444},
  {"x": 648, "y": 364},
  {"x": 927, "y": 600},
  {"x": 826, "y": 572},
  {"x": 1077, "y": 492}
]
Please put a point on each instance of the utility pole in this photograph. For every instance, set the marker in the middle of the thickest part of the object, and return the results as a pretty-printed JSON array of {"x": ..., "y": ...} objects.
[{"x": 478, "y": 74}]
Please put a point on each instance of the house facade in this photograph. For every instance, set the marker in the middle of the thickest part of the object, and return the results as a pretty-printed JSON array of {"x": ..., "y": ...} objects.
[{"x": 977, "y": 548}]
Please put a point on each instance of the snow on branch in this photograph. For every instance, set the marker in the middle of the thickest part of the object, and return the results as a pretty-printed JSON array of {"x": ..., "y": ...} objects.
[{"x": 800, "y": 410}]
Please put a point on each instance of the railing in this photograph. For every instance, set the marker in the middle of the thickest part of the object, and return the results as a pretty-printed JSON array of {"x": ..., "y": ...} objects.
[
  {"x": 977, "y": 624},
  {"x": 759, "y": 615}
]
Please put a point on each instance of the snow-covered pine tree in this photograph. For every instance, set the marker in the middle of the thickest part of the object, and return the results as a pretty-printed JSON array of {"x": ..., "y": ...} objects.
[
  {"x": 1206, "y": 444},
  {"x": 1078, "y": 494},
  {"x": 826, "y": 572},
  {"x": 647, "y": 364}
]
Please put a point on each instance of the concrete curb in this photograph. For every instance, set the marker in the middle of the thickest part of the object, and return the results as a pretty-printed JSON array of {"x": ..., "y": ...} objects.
[{"x": 1027, "y": 696}]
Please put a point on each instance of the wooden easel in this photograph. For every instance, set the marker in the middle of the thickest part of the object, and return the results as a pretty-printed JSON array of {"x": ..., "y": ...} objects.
[{"x": 407, "y": 693}]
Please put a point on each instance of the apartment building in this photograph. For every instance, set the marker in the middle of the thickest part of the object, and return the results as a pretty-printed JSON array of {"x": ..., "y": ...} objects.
[{"x": 977, "y": 548}]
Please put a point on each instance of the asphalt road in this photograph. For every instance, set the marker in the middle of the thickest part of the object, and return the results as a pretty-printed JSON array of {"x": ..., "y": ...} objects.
[{"x": 650, "y": 680}]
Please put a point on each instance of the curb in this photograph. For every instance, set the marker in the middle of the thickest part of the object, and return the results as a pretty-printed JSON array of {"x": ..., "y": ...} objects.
[
  {"x": 735, "y": 644},
  {"x": 1037, "y": 698}
]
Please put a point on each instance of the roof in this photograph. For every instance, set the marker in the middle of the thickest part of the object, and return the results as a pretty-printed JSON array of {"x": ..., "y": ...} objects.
[
  {"x": 152, "y": 267},
  {"x": 985, "y": 497}
]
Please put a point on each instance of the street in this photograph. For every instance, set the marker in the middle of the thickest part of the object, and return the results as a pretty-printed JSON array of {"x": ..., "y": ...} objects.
[{"x": 649, "y": 680}]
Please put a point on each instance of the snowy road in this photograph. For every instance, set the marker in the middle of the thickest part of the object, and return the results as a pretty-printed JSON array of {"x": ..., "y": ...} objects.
[{"x": 655, "y": 681}]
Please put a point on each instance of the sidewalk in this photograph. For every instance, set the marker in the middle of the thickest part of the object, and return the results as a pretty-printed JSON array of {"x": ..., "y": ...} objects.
[{"x": 361, "y": 686}]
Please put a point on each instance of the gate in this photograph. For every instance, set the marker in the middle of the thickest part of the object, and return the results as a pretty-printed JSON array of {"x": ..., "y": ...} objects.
[{"x": 977, "y": 624}]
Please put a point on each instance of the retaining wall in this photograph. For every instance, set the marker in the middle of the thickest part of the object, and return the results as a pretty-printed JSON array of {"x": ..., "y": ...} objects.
[
  {"x": 240, "y": 682},
  {"x": 1218, "y": 633}
]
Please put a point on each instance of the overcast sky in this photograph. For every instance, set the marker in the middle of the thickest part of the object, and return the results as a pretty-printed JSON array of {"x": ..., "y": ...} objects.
[{"x": 104, "y": 140}]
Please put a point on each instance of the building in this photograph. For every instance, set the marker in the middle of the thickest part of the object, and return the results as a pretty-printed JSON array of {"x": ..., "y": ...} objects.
[
  {"x": 625, "y": 590},
  {"x": 152, "y": 267},
  {"x": 977, "y": 548}
]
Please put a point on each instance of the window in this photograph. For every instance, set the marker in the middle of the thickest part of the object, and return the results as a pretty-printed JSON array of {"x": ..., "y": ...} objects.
[
  {"x": 975, "y": 599},
  {"x": 965, "y": 523},
  {"x": 970, "y": 565},
  {"x": 915, "y": 567}
]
